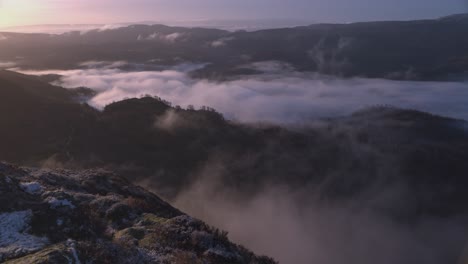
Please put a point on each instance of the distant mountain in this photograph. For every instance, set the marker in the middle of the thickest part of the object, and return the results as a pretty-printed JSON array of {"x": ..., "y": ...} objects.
[
  {"x": 240, "y": 24},
  {"x": 459, "y": 18},
  {"x": 97, "y": 217},
  {"x": 409, "y": 50},
  {"x": 52, "y": 28},
  {"x": 228, "y": 24}
]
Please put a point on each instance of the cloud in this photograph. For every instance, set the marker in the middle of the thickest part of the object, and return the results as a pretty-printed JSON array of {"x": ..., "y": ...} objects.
[
  {"x": 85, "y": 29},
  {"x": 172, "y": 121},
  {"x": 103, "y": 64},
  {"x": 221, "y": 42},
  {"x": 276, "y": 96},
  {"x": 173, "y": 37},
  {"x": 170, "y": 38},
  {"x": 270, "y": 67},
  {"x": 111, "y": 27},
  {"x": 277, "y": 222},
  {"x": 7, "y": 64},
  {"x": 326, "y": 55},
  {"x": 291, "y": 225}
]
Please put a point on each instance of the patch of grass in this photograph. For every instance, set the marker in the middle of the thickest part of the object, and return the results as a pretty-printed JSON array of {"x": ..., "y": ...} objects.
[
  {"x": 53, "y": 254},
  {"x": 136, "y": 233},
  {"x": 151, "y": 219}
]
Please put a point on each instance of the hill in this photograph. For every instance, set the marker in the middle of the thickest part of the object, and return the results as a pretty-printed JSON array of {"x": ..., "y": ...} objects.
[
  {"x": 37, "y": 117},
  {"x": 97, "y": 217}
]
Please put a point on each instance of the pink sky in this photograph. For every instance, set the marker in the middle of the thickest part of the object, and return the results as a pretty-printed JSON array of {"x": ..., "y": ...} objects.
[{"x": 27, "y": 12}]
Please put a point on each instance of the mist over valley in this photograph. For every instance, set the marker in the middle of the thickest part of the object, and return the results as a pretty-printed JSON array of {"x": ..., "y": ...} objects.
[{"x": 320, "y": 143}]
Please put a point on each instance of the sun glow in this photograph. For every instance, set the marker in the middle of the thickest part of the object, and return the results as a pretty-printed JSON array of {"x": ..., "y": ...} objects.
[{"x": 18, "y": 12}]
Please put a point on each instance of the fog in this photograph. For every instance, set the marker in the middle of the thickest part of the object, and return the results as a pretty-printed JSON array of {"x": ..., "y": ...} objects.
[
  {"x": 292, "y": 227},
  {"x": 6, "y": 64},
  {"x": 280, "y": 95}
]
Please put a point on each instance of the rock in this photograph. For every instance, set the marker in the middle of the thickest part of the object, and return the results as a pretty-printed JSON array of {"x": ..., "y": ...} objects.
[{"x": 94, "y": 216}]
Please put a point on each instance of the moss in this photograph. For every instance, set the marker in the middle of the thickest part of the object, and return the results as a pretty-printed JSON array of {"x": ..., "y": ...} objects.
[
  {"x": 150, "y": 241},
  {"x": 135, "y": 233},
  {"x": 53, "y": 254},
  {"x": 151, "y": 219}
]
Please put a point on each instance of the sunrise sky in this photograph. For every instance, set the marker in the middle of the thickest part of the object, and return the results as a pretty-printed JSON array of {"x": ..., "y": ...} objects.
[{"x": 28, "y": 12}]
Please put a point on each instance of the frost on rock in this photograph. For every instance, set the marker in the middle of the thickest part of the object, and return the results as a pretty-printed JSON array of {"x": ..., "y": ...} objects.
[
  {"x": 14, "y": 240},
  {"x": 57, "y": 203},
  {"x": 31, "y": 187},
  {"x": 72, "y": 247},
  {"x": 90, "y": 216}
]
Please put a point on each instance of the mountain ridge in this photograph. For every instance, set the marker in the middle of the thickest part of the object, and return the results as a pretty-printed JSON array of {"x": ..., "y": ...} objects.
[
  {"x": 401, "y": 50},
  {"x": 95, "y": 216}
]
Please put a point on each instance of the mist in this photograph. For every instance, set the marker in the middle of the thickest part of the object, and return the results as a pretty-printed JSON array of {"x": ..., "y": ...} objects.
[
  {"x": 6, "y": 64},
  {"x": 279, "y": 95},
  {"x": 296, "y": 225},
  {"x": 250, "y": 132},
  {"x": 294, "y": 228}
]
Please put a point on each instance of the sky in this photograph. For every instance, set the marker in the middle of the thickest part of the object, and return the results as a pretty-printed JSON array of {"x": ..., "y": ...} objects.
[{"x": 30, "y": 12}]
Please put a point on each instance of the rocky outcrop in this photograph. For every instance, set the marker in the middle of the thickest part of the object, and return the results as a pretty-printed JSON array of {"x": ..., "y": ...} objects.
[{"x": 94, "y": 216}]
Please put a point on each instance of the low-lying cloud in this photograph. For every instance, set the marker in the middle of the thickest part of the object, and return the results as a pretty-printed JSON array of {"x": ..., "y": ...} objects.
[
  {"x": 172, "y": 121},
  {"x": 291, "y": 225},
  {"x": 221, "y": 42},
  {"x": 170, "y": 38},
  {"x": 276, "y": 96},
  {"x": 7, "y": 64},
  {"x": 275, "y": 222},
  {"x": 103, "y": 64}
]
